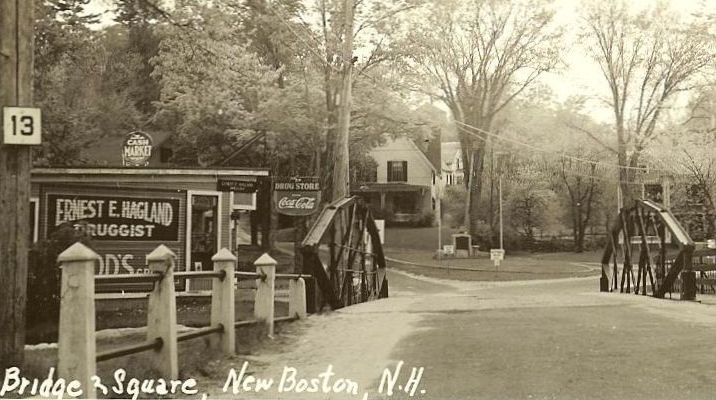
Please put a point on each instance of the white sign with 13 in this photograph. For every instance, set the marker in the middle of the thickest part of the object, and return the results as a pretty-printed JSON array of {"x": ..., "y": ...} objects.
[{"x": 22, "y": 125}]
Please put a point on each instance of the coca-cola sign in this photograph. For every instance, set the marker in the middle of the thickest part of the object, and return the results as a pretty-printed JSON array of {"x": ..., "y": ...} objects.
[{"x": 297, "y": 196}]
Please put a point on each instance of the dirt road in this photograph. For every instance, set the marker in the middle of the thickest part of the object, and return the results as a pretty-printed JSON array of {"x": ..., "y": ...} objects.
[{"x": 558, "y": 339}]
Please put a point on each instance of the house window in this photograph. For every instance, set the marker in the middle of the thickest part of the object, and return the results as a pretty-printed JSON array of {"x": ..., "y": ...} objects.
[
  {"x": 397, "y": 171},
  {"x": 433, "y": 178}
]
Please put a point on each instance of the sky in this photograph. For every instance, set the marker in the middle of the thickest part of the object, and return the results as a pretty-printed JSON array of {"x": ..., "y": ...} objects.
[{"x": 580, "y": 75}]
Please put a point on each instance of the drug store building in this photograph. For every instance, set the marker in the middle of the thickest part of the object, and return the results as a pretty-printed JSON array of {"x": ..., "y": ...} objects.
[{"x": 129, "y": 211}]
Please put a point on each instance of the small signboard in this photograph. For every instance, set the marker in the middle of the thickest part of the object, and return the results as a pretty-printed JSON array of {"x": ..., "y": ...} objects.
[
  {"x": 22, "y": 126},
  {"x": 448, "y": 249},
  {"x": 236, "y": 186},
  {"x": 136, "y": 149},
  {"x": 380, "y": 224},
  {"x": 297, "y": 196},
  {"x": 497, "y": 255}
]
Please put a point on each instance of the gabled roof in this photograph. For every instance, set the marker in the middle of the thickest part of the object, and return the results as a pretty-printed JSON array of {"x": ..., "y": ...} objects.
[{"x": 431, "y": 149}]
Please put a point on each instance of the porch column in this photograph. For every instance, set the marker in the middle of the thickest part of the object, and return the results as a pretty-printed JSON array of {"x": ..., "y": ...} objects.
[{"x": 382, "y": 201}]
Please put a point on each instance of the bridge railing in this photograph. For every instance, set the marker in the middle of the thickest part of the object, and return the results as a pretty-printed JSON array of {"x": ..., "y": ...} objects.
[
  {"x": 343, "y": 251},
  {"x": 77, "y": 352},
  {"x": 648, "y": 224}
]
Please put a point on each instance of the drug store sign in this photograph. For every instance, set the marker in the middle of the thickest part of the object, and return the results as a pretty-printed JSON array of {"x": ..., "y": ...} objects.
[{"x": 297, "y": 195}]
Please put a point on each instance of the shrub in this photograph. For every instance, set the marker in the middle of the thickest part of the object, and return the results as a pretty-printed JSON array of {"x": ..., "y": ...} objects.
[
  {"x": 453, "y": 205},
  {"x": 43, "y": 275},
  {"x": 426, "y": 219}
]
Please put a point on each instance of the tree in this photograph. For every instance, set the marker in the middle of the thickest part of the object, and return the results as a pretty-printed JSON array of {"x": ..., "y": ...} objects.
[
  {"x": 702, "y": 112},
  {"x": 80, "y": 82},
  {"x": 583, "y": 192},
  {"x": 527, "y": 196},
  {"x": 477, "y": 57},
  {"x": 647, "y": 58},
  {"x": 212, "y": 86},
  {"x": 527, "y": 212},
  {"x": 698, "y": 161}
]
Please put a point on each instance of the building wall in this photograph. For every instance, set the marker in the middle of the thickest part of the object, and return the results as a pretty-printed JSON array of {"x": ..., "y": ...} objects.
[
  {"x": 402, "y": 149},
  {"x": 420, "y": 172},
  {"x": 140, "y": 186},
  {"x": 452, "y": 169}
]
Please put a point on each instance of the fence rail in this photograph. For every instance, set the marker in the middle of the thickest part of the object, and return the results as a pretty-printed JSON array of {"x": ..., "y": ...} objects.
[
  {"x": 220, "y": 275},
  {"x": 76, "y": 344},
  {"x": 155, "y": 344},
  {"x": 128, "y": 278}
]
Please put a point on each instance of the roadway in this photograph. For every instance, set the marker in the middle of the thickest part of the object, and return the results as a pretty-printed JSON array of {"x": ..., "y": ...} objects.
[{"x": 541, "y": 339}]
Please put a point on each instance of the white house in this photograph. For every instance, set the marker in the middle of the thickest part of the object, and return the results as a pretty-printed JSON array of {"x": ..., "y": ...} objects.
[
  {"x": 452, "y": 168},
  {"x": 406, "y": 185}
]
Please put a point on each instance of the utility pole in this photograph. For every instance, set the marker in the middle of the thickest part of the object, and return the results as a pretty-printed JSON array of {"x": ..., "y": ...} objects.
[
  {"x": 501, "y": 234},
  {"x": 467, "y": 174},
  {"x": 16, "y": 37},
  {"x": 341, "y": 182}
]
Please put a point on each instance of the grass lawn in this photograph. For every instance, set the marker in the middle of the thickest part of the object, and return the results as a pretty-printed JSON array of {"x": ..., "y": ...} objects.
[
  {"x": 416, "y": 246},
  {"x": 515, "y": 268},
  {"x": 417, "y": 238}
]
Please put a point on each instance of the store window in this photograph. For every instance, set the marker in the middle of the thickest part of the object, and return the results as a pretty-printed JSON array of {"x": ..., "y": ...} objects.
[{"x": 204, "y": 209}]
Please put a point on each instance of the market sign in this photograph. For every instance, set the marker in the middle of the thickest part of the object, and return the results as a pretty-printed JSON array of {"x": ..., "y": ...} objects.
[
  {"x": 238, "y": 186},
  {"x": 118, "y": 218},
  {"x": 136, "y": 149},
  {"x": 297, "y": 196}
]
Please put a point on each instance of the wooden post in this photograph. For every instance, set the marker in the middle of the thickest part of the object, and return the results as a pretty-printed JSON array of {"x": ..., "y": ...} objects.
[
  {"x": 76, "y": 347},
  {"x": 162, "y": 313},
  {"x": 16, "y": 36},
  {"x": 263, "y": 306},
  {"x": 297, "y": 298},
  {"x": 222, "y": 302}
]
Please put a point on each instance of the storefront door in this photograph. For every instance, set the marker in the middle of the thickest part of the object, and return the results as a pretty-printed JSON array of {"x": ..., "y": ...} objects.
[{"x": 202, "y": 228}]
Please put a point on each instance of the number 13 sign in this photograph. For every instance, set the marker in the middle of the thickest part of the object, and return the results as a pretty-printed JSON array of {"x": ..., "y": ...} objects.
[{"x": 21, "y": 125}]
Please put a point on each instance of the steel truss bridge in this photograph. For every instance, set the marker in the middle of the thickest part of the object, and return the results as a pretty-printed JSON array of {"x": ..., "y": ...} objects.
[
  {"x": 343, "y": 252},
  {"x": 649, "y": 252}
]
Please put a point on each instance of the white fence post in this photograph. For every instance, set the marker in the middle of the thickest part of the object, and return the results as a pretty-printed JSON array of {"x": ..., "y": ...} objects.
[
  {"x": 222, "y": 302},
  {"x": 263, "y": 306},
  {"x": 297, "y": 298},
  {"x": 162, "y": 313},
  {"x": 76, "y": 344}
]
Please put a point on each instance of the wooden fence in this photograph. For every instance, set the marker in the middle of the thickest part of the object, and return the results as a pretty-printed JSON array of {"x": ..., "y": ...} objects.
[{"x": 77, "y": 352}]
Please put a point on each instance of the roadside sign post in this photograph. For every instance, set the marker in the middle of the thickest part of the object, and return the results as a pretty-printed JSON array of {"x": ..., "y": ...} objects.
[
  {"x": 497, "y": 255},
  {"x": 21, "y": 128}
]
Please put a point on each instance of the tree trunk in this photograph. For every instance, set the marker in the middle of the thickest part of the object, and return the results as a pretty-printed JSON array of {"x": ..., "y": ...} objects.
[
  {"x": 575, "y": 230},
  {"x": 580, "y": 231},
  {"x": 477, "y": 168},
  {"x": 299, "y": 232}
]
